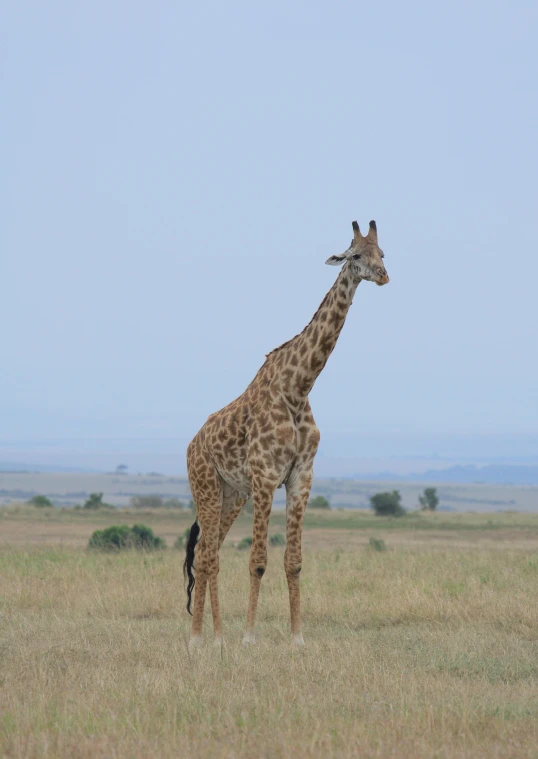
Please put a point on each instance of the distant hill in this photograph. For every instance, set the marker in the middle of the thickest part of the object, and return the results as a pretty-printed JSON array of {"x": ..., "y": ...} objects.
[
  {"x": 492, "y": 474},
  {"x": 12, "y": 466},
  {"x": 468, "y": 474}
]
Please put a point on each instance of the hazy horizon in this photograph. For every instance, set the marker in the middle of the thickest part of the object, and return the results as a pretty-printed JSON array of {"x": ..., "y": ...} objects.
[
  {"x": 167, "y": 455},
  {"x": 175, "y": 177}
]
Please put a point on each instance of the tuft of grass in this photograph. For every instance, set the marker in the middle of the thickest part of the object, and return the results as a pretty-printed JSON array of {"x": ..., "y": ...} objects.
[
  {"x": 244, "y": 543},
  {"x": 376, "y": 544},
  {"x": 277, "y": 539}
]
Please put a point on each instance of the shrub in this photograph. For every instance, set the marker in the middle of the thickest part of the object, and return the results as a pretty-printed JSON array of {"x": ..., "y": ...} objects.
[
  {"x": 146, "y": 502},
  {"x": 245, "y": 543},
  {"x": 41, "y": 501},
  {"x": 181, "y": 540},
  {"x": 376, "y": 544},
  {"x": 277, "y": 540},
  {"x": 120, "y": 537},
  {"x": 112, "y": 538},
  {"x": 95, "y": 501},
  {"x": 144, "y": 538},
  {"x": 319, "y": 502},
  {"x": 429, "y": 500},
  {"x": 173, "y": 503},
  {"x": 387, "y": 504}
]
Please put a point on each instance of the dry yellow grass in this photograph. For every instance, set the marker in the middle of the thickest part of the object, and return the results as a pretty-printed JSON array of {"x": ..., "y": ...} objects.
[{"x": 425, "y": 650}]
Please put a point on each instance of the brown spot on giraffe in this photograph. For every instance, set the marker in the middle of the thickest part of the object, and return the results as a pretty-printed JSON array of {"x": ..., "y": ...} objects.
[{"x": 265, "y": 438}]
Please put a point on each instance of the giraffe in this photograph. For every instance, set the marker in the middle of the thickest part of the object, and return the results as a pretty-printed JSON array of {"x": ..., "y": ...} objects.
[{"x": 264, "y": 439}]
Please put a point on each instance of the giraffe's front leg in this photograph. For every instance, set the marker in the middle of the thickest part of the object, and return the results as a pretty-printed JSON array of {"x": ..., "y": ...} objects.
[
  {"x": 263, "y": 501},
  {"x": 297, "y": 494},
  {"x": 231, "y": 508}
]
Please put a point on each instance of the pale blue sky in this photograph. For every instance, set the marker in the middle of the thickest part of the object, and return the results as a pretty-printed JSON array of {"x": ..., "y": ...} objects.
[{"x": 174, "y": 176}]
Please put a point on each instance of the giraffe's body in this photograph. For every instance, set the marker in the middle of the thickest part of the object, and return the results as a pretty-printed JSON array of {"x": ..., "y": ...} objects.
[{"x": 267, "y": 438}]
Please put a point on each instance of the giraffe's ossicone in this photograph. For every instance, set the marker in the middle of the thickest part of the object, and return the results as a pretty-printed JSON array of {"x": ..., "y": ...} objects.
[{"x": 266, "y": 438}]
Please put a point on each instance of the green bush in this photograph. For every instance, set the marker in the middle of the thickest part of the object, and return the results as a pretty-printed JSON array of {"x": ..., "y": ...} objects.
[
  {"x": 429, "y": 500},
  {"x": 245, "y": 543},
  {"x": 377, "y": 544},
  {"x": 144, "y": 538},
  {"x": 319, "y": 502},
  {"x": 112, "y": 538},
  {"x": 181, "y": 540},
  {"x": 122, "y": 537},
  {"x": 387, "y": 504},
  {"x": 41, "y": 501},
  {"x": 95, "y": 501}
]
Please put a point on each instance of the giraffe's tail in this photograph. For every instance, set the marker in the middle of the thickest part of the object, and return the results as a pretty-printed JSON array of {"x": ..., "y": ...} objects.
[{"x": 188, "y": 564}]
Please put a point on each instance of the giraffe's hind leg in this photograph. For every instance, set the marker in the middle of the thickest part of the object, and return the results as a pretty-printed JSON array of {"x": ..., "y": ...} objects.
[
  {"x": 206, "y": 488},
  {"x": 231, "y": 507}
]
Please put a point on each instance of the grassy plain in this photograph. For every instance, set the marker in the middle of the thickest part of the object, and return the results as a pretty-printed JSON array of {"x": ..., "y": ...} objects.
[{"x": 428, "y": 649}]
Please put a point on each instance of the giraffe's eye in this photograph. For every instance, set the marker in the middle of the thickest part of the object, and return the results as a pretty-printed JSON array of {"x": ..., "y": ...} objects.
[{"x": 356, "y": 256}]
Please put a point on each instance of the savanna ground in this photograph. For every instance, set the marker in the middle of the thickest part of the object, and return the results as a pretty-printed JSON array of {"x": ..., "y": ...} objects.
[{"x": 428, "y": 649}]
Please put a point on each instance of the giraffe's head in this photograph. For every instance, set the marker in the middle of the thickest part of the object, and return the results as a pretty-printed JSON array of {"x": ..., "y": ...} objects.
[{"x": 364, "y": 257}]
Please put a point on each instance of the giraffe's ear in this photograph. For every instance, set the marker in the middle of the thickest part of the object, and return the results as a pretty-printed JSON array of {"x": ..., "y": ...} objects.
[{"x": 336, "y": 260}]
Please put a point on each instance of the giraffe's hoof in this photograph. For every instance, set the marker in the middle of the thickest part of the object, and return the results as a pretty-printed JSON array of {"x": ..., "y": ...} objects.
[
  {"x": 195, "y": 643},
  {"x": 298, "y": 640},
  {"x": 249, "y": 639}
]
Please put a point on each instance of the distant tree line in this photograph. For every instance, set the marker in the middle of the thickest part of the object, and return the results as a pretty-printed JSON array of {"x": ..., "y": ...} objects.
[
  {"x": 156, "y": 502},
  {"x": 383, "y": 504},
  {"x": 390, "y": 504}
]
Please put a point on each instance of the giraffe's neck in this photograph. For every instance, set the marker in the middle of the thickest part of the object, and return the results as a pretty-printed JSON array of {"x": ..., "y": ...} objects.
[{"x": 302, "y": 359}]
